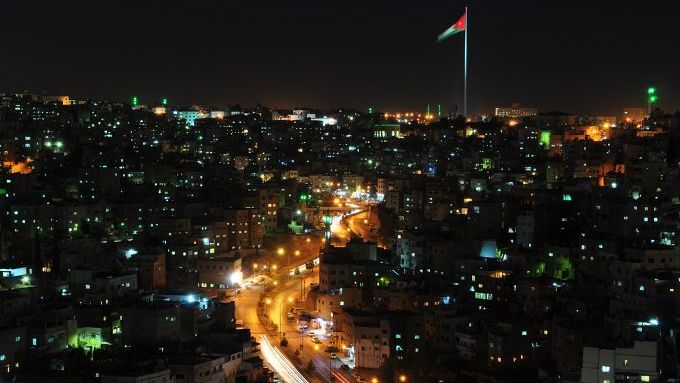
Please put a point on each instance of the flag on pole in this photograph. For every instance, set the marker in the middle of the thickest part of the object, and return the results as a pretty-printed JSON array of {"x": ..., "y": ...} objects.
[{"x": 459, "y": 26}]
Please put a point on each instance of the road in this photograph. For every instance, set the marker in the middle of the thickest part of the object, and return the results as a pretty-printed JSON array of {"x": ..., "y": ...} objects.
[
  {"x": 356, "y": 225},
  {"x": 283, "y": 290},
  {"x": 276, "y": 304}
]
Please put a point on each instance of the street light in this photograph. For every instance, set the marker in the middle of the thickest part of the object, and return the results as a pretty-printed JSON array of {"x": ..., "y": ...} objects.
[
  {"x": 402, "y": 378},
  {"x": 374, "y": 380}
]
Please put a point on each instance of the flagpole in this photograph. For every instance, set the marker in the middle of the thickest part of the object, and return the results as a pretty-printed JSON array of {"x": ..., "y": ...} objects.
[{"x": 467, "y": 28}]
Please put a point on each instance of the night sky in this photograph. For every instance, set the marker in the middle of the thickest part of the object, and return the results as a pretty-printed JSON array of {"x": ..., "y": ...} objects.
[{"x": 578, "y": 56}]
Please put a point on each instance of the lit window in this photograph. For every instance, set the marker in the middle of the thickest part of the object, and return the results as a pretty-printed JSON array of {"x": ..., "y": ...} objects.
[{"x": 605, "y": 368}]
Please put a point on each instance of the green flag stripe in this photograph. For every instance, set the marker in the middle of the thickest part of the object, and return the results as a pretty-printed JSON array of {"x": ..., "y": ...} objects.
[{"x": 448, "y": 33}]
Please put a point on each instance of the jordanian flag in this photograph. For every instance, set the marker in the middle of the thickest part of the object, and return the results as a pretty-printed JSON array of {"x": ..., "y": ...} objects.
[{"x": 459, "y": 26}]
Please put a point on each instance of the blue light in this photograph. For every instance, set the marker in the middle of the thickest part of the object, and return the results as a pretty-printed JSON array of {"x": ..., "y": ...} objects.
[
  {"x": 654, "y": 322},
  {"x": 191, "y": 298},
  {"x": 130, "y": 252}
]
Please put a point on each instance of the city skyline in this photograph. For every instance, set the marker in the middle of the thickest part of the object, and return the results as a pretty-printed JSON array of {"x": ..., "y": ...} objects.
[
  {"x": 219, "y": 191},
  {"x": 587, "y": 60}
]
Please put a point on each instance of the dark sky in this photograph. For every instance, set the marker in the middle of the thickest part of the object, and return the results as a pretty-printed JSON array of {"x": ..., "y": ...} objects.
[{"x": 594, "y": 56}]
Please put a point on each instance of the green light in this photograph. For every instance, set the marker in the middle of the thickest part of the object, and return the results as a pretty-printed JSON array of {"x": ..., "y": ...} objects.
[
  {"x": 135, "y": 101},
  {"x": 370, "y": 110},
  {"x": 651, "y": 95},
  {"x": 3, "y": 191},
  {"x": 164, "y": 101},
  {"x": 545, "y": 138}
]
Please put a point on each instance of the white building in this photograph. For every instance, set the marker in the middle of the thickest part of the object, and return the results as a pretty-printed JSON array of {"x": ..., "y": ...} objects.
[
  {"x": 190, "y": 116},
  {"x": 641, "y": 363}
]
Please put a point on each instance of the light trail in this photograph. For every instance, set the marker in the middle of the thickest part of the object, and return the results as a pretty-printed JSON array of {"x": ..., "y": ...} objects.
[
  {"x": 279, "y": 362},
  {"x": 323, "y": 366}
]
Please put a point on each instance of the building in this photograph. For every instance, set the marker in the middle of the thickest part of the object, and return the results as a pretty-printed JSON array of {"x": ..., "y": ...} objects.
[
  {"x": 151, "y": 323},
  {"x": 219, "y": 272},
  {"x": 640, "y": 363},
  {"x": 515, "y": 111},
  {"x": 365, "y": 336}
]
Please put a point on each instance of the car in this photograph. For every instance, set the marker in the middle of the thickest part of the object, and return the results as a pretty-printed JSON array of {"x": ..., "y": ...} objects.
[
  {"x": 331, "y": 349},
  {"x": 344, "y": 367},
  {"x": 334, "y": 355},
  {"x": 290, "y": 316},
  {"x": 239, "y": 323},
  {"x": 316, "y": 339}
]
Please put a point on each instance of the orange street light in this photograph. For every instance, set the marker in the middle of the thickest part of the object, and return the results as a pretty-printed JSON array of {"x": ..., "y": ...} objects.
[{"x": 402, "y": 378}]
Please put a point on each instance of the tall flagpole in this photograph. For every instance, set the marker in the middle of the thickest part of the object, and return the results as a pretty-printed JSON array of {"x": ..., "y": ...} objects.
[{"x": 467, "y": 29}]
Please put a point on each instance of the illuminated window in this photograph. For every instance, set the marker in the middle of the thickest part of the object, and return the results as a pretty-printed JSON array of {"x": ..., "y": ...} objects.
[{"x": 605, "y": 369}]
